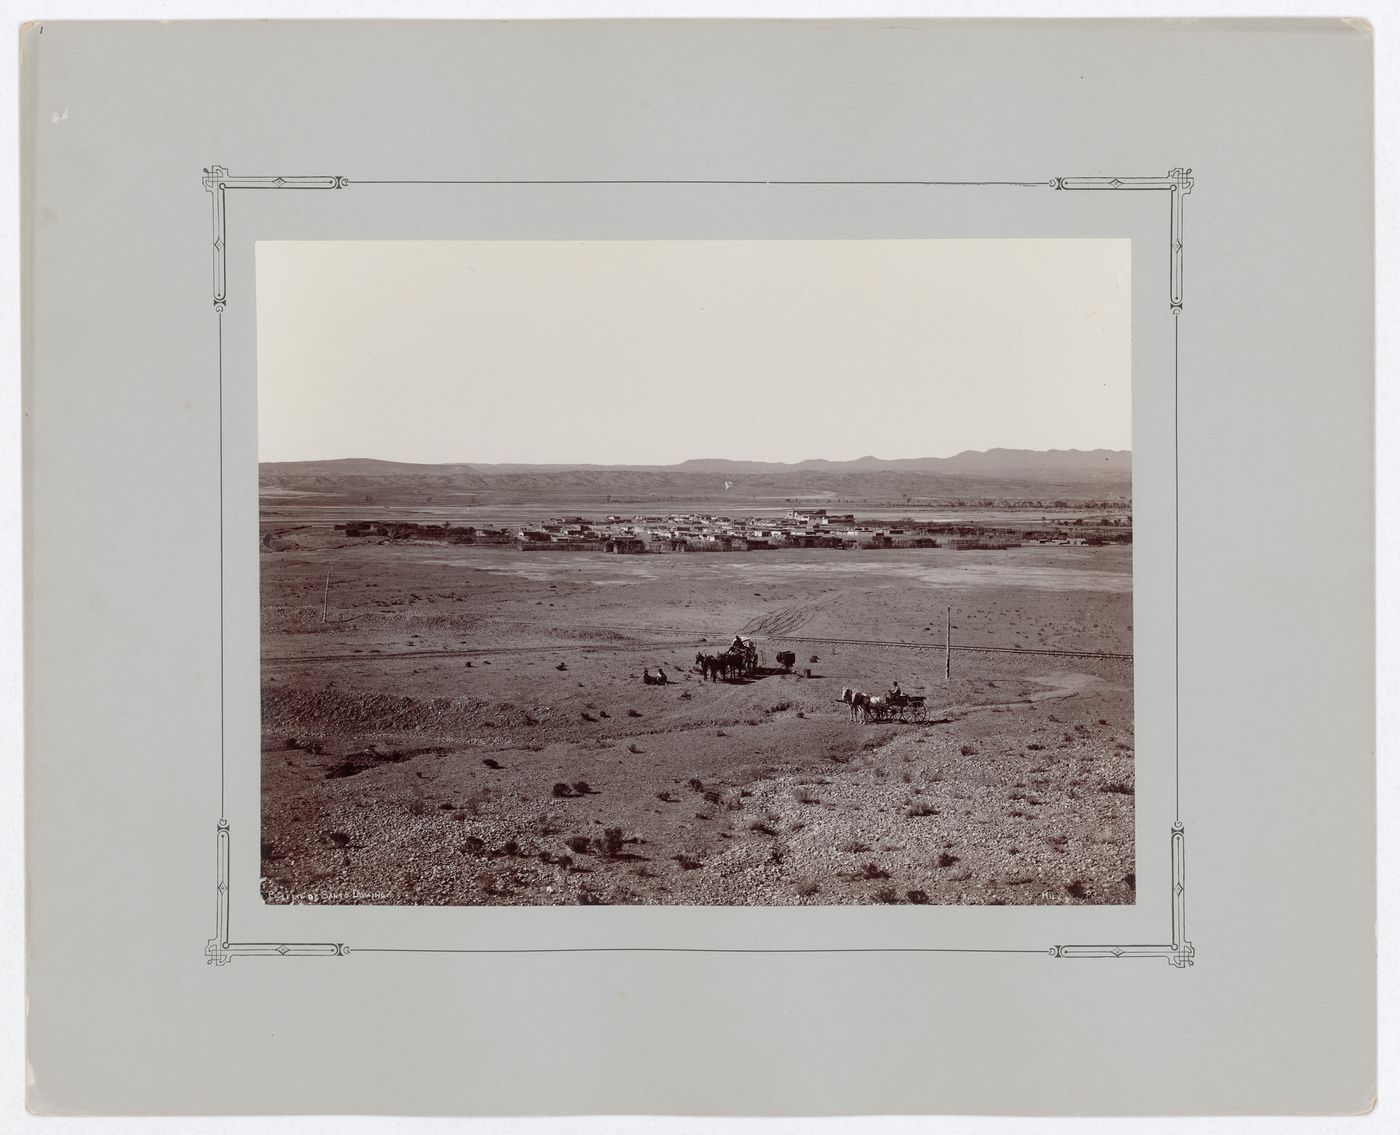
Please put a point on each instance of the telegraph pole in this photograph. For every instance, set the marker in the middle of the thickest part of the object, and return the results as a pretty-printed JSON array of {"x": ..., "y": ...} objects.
[
  {"x": 948, "y": 648},
  {"x": 325, "y": 595}
]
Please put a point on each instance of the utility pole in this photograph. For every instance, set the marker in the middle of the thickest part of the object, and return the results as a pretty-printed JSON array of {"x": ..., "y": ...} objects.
[
  {"x": 325, "y": 595},
  {"x": 948, "y": 648}
]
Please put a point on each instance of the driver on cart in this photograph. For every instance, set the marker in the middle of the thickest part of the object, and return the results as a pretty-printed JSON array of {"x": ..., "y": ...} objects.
[{"x": 895, "y": 693}]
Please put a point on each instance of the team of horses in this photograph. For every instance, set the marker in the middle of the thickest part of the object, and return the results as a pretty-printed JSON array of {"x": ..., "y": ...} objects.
[{"x": 717, "y": 666}]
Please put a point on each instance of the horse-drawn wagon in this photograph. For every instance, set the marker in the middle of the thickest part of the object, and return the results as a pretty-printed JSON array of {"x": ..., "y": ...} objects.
[
  {"x": 885, "y": 707},
  {"x": 739, "y": 661}
]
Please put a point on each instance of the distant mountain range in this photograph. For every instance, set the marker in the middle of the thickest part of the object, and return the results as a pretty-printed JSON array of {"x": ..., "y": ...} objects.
[
  {"x": 973, "y": 474},
  {"x": 1042, "y": 461}
]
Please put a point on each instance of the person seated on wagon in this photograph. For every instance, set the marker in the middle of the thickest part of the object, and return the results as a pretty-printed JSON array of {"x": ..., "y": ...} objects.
[
  {"x": 895, "y": 692},
  {"x": 738, "y": 643}
]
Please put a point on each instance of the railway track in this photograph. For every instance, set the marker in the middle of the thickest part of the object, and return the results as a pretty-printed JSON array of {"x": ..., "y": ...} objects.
[{"x": 689, "y": 639}]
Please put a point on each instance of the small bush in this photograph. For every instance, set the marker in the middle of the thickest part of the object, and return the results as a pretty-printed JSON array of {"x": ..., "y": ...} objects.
[
  {"x": 687, "y": 862},
  {"x": 854, "y": 847},
  {"x": 561, "y": 790},
  {"x": 633, "y": 747},
  {"x": 712, "y": 796},
  {"x": 666, "y": 797},
  {"x": 945, "y": 859},
  {"x": 918, "y": 898},
  {"x": 804, "y": 796},
  {"x": 473, "y": 845},
  {"x": 696, "y": 784},
  {"x": 887, "y": 895},
  {"x": 763, "y": 827},
  {"x": 293, "y": 743},
  {"x": 968, "y": 750},
  {"x": 611, "y": 843},
  {"x": 871, "y": 871},
  {"x": 577, "y": 844},
  {"x": 417, "y": 806},
  {"x": 808, "y": 889},
  {"x": 581, "y": 787},
  {"x": 633, "y": 713},
  {"x": 1076, "y": 890},
  {"x": 920, "y": 808},
  {"x": 1119, "y": 787}
]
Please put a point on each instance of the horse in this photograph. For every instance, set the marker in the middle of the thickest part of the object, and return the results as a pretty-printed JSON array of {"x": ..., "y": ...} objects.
[
  {"x": 787, "y": 659},
  {"x": 855, "y": 699}
]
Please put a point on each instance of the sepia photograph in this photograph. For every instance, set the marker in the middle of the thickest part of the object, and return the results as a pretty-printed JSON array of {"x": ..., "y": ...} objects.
[{"x": 710, "y": 573}]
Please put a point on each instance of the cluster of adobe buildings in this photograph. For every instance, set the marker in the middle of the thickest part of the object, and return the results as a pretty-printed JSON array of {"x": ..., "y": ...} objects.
[{"x": 696, "y": 532}]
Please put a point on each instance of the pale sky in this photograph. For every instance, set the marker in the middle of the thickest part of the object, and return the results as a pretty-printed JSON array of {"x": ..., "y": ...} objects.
[{"x": 653, "y": 352}]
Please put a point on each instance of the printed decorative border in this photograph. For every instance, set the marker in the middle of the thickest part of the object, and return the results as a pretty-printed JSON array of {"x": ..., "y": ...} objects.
[{"x": 1179, "y": 952}]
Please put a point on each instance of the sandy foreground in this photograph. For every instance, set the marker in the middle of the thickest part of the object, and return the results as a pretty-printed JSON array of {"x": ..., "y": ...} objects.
[{"x": 469, "y": 726}]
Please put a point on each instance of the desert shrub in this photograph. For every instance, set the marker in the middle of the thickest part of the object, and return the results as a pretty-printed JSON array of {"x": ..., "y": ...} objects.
[
  {"x": 945, "y": 859},
  {"x": 459, "y": 815},
  {"x": 604, "y": 714},
  {"x": 1119, "y": 787},
  {"x": 777, "y": 853},
  {"x": 920, "y": 808},
  {"x": 686, "y": 694},
  {"x": 871, "y": 871},
  {"x": 967, "y": 750},
  {"x": 561, "y": 789},
  {"x": 1131, "y": 879},
  {"x": 780, "y": 707},
  {"x": 805, "y": 796},
  {"x": 721, "y": 733},
  {"x": 473, "y": 845},
  {"x": 763, "y": 827},
  {"x": 696, "y": 784},
  {"x": 510, "y": 847},
  {"x": 562, "y": 665},
  {"x": 577, "y": 844},
  {"x": 813, "y": 659},
  {"x": 918, "y": 898},
  {"x": 1103, "y": 721},
  {"x": 417, "y": 806},
  {"x": 581, "y": 787},
  {"x": 293, "y": 743},
  {"x": 712, "y": 796},
  {"x": 588, "y": 898},
  {"x": 666, "y": 797},
  {"x": 854, "y": 847},
  {"x": 1035, "y": 746},
  {"x": 751, "y": 721},
  {"x": 587, "y": 716},
  {"x": 633, "y": 713},
  {"x": 808, "y": 889},
  {"x": 887, "y": 895},
  {"x": 1076, "y": 890},
  {"x": 611, "y": 843},
  {"x": 633, "y": 747},
  {"x": 687, "y": 862}
]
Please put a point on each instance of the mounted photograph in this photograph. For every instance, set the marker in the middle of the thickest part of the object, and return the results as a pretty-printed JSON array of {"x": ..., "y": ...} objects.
[{"x": 710, "y": 573}]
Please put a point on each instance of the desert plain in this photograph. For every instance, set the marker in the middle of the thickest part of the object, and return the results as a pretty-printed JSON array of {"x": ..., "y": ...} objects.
[{"x": 458, "y": 724}]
